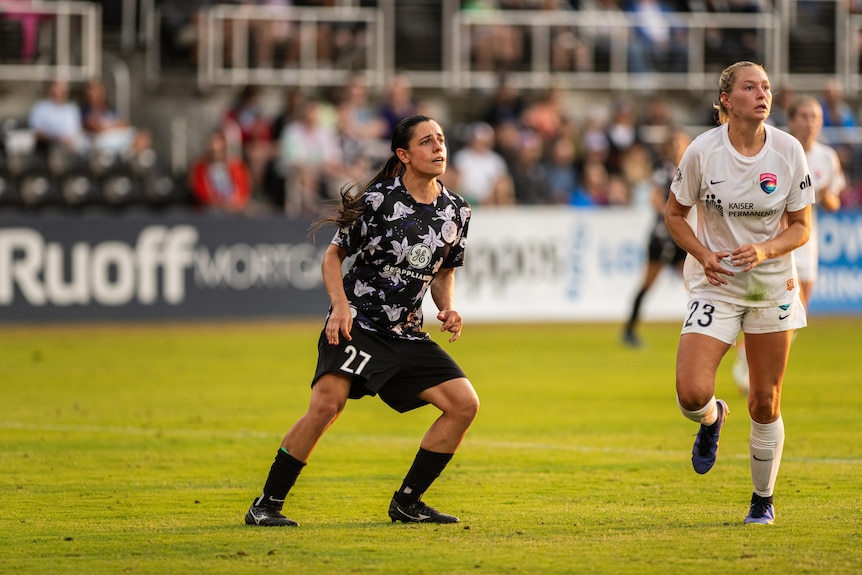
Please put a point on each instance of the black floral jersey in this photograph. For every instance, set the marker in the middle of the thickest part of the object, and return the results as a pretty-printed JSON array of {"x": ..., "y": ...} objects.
[{"x": 399, "y": 246}]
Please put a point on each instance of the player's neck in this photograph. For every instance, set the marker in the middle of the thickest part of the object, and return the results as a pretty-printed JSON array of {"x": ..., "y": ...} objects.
[
  {"x": 747, "y": 138},
  {"x": 423, "y": 190}
]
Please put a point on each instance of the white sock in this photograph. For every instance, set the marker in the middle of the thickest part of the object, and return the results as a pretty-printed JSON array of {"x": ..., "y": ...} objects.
[
  {"x": 705, "y": 415},
  {"x": 766, "y": 445}
]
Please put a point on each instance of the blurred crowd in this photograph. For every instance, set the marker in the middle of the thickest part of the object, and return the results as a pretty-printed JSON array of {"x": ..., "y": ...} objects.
[{"x": 514, "y": 148}]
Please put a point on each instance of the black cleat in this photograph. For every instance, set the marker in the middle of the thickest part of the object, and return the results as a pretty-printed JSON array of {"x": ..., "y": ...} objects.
[
  {"x": 267, "y": 516},
  {"x": 417, "y": 512}
]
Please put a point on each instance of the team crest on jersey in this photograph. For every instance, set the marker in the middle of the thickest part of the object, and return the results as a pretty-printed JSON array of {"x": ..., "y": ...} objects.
[
  {"x": 768, "y": 182},
  {"x": 419, "y": 256}
]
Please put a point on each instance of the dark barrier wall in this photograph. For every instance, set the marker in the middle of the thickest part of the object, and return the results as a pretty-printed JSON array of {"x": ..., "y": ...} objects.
[
  {"x": 97, "y": 268},
  {"x": 526, "y": 265}
]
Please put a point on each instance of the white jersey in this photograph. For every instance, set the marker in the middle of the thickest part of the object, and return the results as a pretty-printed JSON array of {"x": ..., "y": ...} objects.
[
  {"x": 827, "y": 177},
  {"x": 742, "y": 200}
]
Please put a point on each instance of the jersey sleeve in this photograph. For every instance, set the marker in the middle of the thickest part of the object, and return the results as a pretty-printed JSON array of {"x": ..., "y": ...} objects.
[
  {"x": 802, "y": 192},
  {"x": 352, "y": 238},
  {"x": 686, "y": 181}
]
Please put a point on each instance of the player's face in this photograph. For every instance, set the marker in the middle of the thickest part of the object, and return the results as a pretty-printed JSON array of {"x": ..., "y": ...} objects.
[
  {"x": 808, "y": 122},
  {"x": 750, "y": 98},
  {"x": 426, "y": 153}
]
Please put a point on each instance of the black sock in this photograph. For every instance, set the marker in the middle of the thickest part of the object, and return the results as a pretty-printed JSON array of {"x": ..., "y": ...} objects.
[
  {"x": 755, "y": 498},
  {"x": 636, "y": 307},
  {"x": 427, "y": 466},
  {"x": 282, "y": 475}
]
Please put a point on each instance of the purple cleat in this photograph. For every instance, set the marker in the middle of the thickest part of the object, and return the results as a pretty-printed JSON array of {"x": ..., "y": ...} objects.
[
  {"x": 761, "y": 512},
  {"x": 706, "y": 442}
]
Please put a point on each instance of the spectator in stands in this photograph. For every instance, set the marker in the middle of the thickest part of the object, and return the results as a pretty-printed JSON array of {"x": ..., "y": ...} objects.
[
  {"x": 495, "y": 46},
  {"x": 594, "y": 186},
  {"x": 480, "y": 174},
  {"x": 293, "y": 100},
  {"x": 562, "y": 169},
  {"x": 568, "y": 49},
  {"x": 398, "y": 102},
  {"x": 56, "y": 121},
  {"x": 218, "y": 180},
  {"x": 506, "y": 103},
  {"x": 364, "y": 120},
  {"x": 781, "y": 102},
  {"x": 310, "y": 158},
  {"x": 547, "y": 116},
  {"x": 840, "y": 122},
  {"x": 601, "y": 36},
  {"x": 622, "y": 132},
  {"x": 836, "y": 111},
  {"x": 655, "y": 44},
  {"x": 359, "y": 151},
  {"x": 529, "y": 176},
  {"x": 109, "y": 132},
  {"x": 271, "y": 36},
  {"x": 246, "y": 115}
]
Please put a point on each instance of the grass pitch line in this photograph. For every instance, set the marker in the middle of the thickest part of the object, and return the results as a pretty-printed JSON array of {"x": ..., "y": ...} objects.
[{"x": 511, "y": 445}]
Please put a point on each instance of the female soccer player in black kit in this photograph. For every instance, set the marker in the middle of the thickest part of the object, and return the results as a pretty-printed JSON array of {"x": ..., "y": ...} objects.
[{"x": 408, "y": 233}]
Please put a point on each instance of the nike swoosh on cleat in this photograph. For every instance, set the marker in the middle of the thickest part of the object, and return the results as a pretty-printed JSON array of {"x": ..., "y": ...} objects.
[
  {"x": 419, "y": 517},
  {"x": 257, "y": 519}
]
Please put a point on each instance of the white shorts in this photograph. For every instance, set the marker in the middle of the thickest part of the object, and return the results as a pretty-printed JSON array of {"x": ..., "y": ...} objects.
[
  {"x": 805, "y": 257},
  {"x": 723, "y": 320}
]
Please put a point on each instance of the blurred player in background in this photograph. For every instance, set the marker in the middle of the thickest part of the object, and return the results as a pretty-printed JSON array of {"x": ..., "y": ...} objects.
[
  {"x": 753, "y": 192},
  {"x": 805, "y": 121},
  {"x": 408, "y": 233},
  {"x": 662, "y": 250}
]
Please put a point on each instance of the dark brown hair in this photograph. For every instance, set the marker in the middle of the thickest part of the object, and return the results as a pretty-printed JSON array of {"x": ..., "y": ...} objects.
[{"x": 351, "y": 206}]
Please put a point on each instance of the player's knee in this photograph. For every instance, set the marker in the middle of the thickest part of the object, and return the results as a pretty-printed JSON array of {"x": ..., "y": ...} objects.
[
  {"x": 763, "y": 407},
  {"x": 326, "y": 408}
]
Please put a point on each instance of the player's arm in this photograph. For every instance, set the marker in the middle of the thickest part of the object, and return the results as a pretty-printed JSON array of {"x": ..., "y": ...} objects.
[
  {"x": 677, "y": 225},
  {"x": 340, "y": 320},
  {"x": 794, "y": 235},
  {"x": 443, "y": 294},
  {"x": 830, "y": 197}
]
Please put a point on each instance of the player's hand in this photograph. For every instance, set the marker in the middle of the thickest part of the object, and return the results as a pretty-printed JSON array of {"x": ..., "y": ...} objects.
[
  {"x": 747, "y": 256},
  {"x": 714, "y": 269},
  {"x": 452, "y": 322},
  {"x": 340, "y": 322}
]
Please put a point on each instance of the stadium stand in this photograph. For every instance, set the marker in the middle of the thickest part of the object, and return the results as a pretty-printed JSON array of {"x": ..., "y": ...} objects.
[{"x": 173, "y": 68}]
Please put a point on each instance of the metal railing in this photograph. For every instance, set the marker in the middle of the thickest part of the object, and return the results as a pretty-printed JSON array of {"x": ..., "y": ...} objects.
[
  {"x": 232, "y": 66},
  {"x": 74, "y": 52},
  {"x": 76, "y": 44},
  {"x": 614, "y": 31}
]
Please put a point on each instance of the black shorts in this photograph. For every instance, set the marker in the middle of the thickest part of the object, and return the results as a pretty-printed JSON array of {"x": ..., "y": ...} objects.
[
  {"x": 399, "y": 370},
  {"x": 663, "y": 249}
]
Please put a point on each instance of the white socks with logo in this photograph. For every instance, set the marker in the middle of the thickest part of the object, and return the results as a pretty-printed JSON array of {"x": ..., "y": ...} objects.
[{"x": 766, "y": 445}]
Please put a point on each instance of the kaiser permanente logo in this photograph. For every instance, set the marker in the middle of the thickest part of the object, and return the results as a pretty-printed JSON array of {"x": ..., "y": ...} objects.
[{"x": 156, "y": 267}]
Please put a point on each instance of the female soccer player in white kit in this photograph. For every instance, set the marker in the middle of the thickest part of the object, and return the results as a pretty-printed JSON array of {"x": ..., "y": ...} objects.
[
  {"x": 805, "y": 117},
  {"x": 752, "y": 189},
  {"x": 805, "y": 123}
]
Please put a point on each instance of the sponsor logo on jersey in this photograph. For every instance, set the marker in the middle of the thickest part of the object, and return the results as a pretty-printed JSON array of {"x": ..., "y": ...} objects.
[
  {"x": 768, "y": 182},
  {"x": 419, "y": 256},
  {"x": 713, "y": 204}
]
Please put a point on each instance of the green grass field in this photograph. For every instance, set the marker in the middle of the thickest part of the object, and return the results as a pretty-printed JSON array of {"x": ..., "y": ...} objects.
[{"x": 137, "y": 449}]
